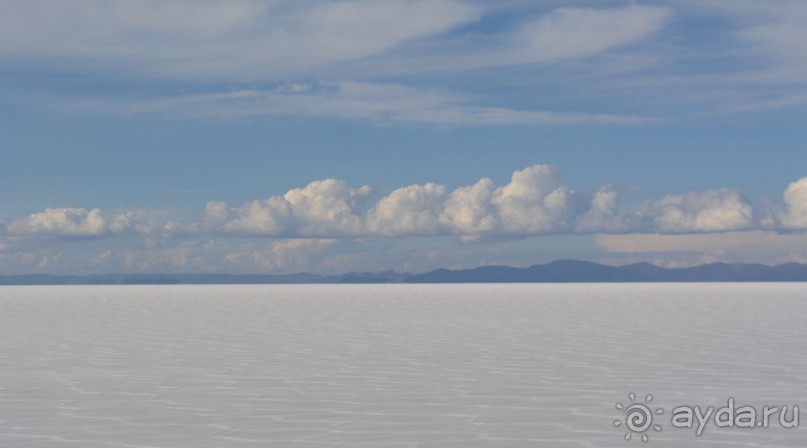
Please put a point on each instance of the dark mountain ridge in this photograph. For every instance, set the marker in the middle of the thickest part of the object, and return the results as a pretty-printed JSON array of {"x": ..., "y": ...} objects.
[
  {"x": 562, "y": 271},
  {"x": 567, "y": 271}
]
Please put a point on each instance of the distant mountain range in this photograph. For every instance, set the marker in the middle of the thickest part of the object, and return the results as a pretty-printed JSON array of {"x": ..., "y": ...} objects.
[{"x": 564, "y": 271}]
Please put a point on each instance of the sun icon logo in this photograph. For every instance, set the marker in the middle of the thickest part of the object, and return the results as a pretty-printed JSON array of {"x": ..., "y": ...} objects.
[{"x": 638, "y": 417}]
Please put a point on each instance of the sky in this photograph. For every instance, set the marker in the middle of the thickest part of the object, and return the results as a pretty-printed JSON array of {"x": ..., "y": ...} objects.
[{"x": 279, "y": 136}]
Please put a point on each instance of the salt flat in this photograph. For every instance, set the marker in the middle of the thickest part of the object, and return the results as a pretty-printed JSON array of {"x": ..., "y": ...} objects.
[{"x": 320, "y": 366}]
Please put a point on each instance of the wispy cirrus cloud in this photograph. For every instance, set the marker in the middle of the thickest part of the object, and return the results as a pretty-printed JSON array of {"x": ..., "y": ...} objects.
[
  {"x": 216, "y": 39},
  {"x": 257, "y": 40},
  {"x": 380, "y": 103},
  {"x": 233, "y": 50},
  {"x": 557, "y": 35},
  {"x": 750, "y": 59}
]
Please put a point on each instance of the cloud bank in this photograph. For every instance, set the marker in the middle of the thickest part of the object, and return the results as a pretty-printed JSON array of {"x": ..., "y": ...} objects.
[
  {"x": 536, "y": 201},
  {"x": 330, "y": 226}
]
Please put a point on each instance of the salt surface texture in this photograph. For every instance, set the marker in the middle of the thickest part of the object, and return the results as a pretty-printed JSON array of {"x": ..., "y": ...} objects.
[{"x": 465, "y": 366}]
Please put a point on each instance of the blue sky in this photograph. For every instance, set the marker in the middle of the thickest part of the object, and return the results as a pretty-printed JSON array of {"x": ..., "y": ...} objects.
[{"x": 283, "y": 136}]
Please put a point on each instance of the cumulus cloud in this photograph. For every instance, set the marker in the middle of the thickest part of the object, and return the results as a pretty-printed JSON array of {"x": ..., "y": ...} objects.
[
  {"x": 705, "y": 211},
  {"x": 412, "y": 210},
  {"x": 796, "y": 201},
  {"x": 289, "y": 255},
  {"x": 603, "y": 216},
  {"x": 325, "y": 207},
  {"x": 72, "y": 222},
  {"x": 535, "y": 201},
  {"x": 470, "y": 209},
  {"x": 266, "y": 217},
  {"x": 175, "y": 256},
  {"x": 81, "y": 222},
  {"x": 330, "y": 226}
]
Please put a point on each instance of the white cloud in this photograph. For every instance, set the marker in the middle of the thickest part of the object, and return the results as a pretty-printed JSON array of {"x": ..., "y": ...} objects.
[
  {"x": 604, "y": 217},
  {"x": 705, "y": 211},
  {"x": 325, "y": 207},
  {"x": 796, "y": 201},
  {"x": 284, "y": 256},
  {"x": 412, "y": 210},
  {"x": 81, "y": 222},
  {"x": 272, "y": 216},
  {"x": 188, "y": 256},
  {"x": 470, "y": 210},
  {"x": 328, "y": 206},
  {"x": 534, "y": 202},
  {"x": 329, "y": 226},
  {"x": 72, "y": 222}
]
